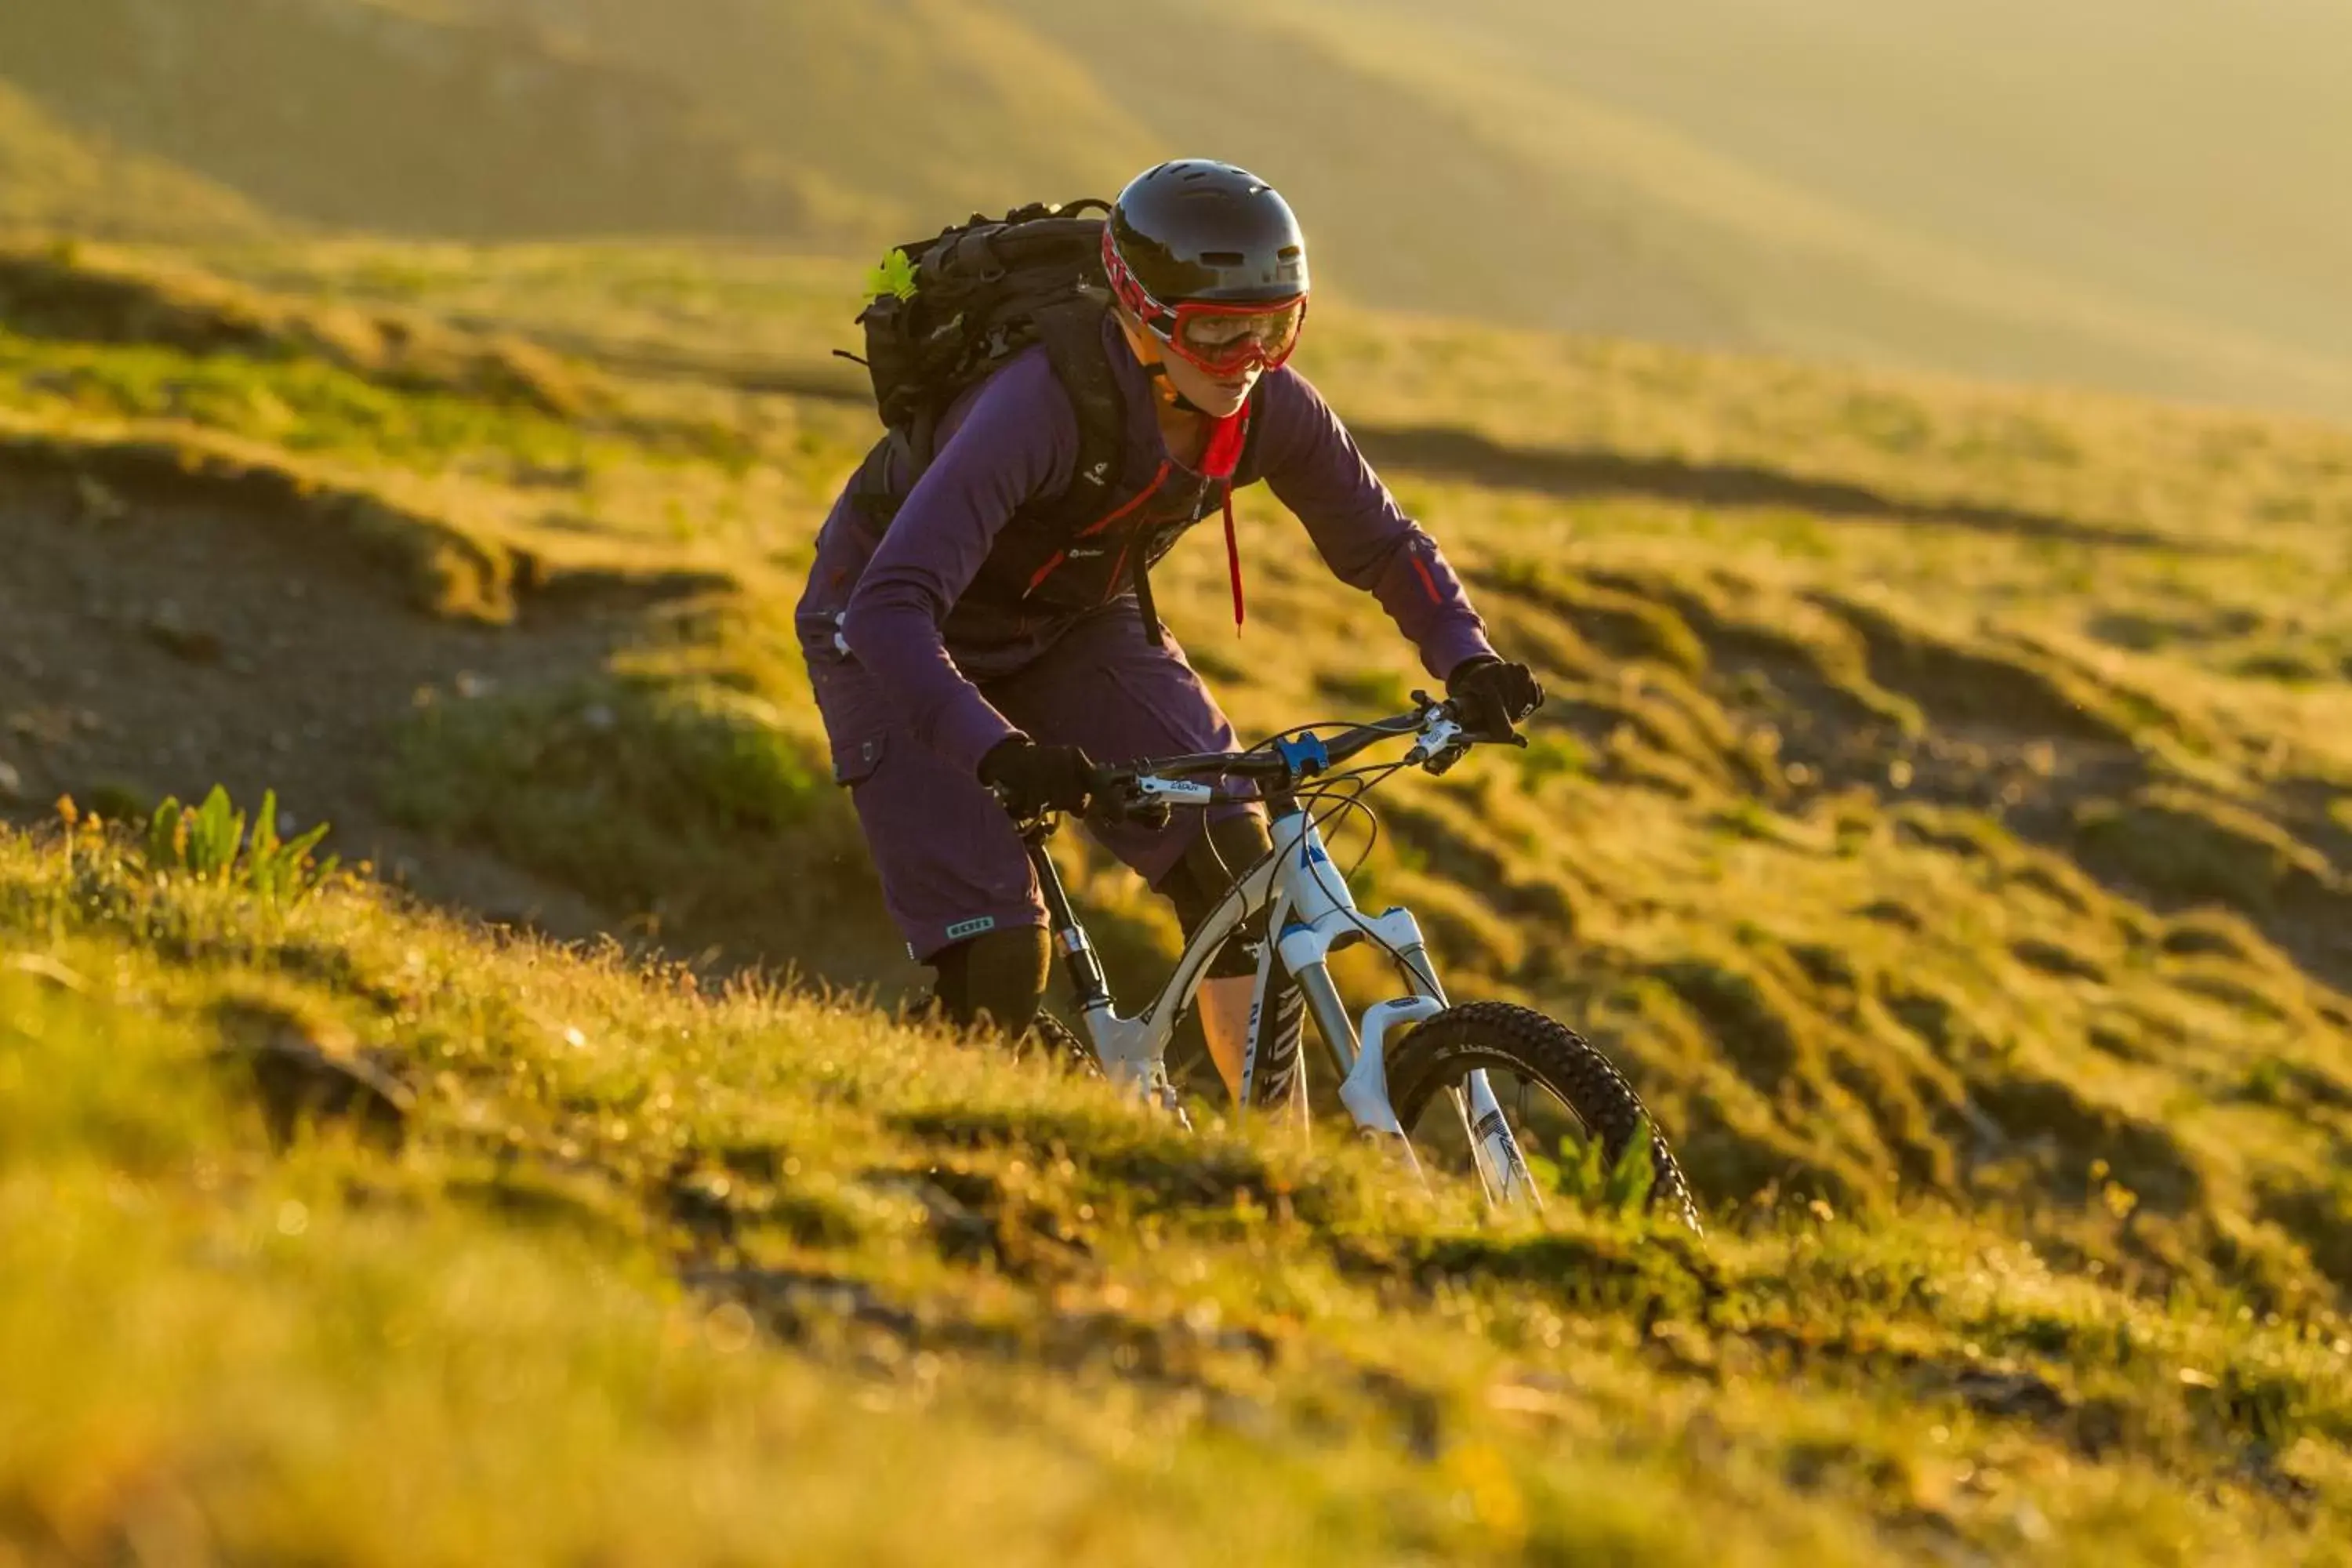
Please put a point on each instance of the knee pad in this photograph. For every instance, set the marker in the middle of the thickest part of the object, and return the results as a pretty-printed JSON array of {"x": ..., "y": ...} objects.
[{"x": 1000, "y": 976}]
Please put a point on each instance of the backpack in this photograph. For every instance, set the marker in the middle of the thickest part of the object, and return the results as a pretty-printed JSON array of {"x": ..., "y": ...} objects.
[{"x": 948, "y": 311}]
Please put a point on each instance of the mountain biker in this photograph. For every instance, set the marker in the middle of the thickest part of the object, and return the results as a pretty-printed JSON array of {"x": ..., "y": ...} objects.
[{"x": 957, "y": 681}]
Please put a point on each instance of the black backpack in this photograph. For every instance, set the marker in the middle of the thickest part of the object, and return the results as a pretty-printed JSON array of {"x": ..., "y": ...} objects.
[{"x": 947, "y": 312}]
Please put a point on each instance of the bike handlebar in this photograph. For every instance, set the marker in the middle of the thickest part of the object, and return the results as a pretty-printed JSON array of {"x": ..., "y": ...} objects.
[
  {"x": 1269, "y": 762},
  {"x": 1287, "y": 761},
  {"x": 1149, "y": 789}
]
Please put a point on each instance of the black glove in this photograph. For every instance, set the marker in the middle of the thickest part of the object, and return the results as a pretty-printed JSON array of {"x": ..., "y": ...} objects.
[
  {"x": 1032, "y": 780},
  {"x": 1490, "y": 696}
]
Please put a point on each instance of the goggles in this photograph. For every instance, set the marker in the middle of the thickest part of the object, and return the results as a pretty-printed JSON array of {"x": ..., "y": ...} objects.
[{"x": 1217, "y": 338}]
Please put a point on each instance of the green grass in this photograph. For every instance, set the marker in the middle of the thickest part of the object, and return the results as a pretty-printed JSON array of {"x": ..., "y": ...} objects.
[
  {"x": 1905, "y": 820},
  {"x": 309, "y": 407},
  {"x": 694, "y": 801},
  {"x": 651, "y": 1264}
]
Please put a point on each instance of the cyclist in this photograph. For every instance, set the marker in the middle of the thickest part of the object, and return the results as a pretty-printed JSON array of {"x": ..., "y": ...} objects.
[{"x": 963, "y": 665}]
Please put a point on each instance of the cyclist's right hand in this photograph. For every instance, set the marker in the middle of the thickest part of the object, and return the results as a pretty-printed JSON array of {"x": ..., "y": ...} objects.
[
  {"x": 1032, "y": 780},
  {"x": 1492, "y": 697}
]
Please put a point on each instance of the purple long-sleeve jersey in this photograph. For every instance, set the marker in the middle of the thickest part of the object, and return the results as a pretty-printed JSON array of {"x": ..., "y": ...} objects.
[{"x": 907, "y": 607}]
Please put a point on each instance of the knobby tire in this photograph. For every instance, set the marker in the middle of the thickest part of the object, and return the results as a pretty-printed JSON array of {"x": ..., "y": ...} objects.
[{"x": 1499, "y": 1035}]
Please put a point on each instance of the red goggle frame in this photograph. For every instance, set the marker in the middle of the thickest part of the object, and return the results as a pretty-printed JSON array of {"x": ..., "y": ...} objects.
[{"x": 1217, "y": 338}]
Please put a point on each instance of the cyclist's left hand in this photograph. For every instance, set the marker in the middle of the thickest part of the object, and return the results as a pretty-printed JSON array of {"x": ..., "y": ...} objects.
[{"x": 1491, "y": 696}]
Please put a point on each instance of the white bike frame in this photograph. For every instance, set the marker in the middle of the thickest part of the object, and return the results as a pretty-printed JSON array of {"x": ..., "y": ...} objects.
[{"x": 1312, "y": 912}]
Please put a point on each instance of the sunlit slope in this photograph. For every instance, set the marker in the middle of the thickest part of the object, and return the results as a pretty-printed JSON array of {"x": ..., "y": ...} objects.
[
  {"x": 341, "y": 1232},
  {"x": 506, "y": 118},
  {"x": 1944, "y": 811},
  {"x": 1944, "y": 788},
  {"x": 1411, "y": 203},
  {"x": 51, "y": 178},
  {"x": 2178, "y": 152},
  {"x": 2121, "y": 196},
  {"x": 1974, "y": 189},
  {"x": 927, "y": 110},
  {"x": 349, "y": 114}
]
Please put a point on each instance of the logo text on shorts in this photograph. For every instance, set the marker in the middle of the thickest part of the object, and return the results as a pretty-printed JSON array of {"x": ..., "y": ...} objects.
[{"x": 962, "y": 929}]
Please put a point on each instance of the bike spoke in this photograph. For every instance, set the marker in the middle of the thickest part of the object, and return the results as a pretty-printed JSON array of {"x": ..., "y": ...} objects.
[
  {"x": 1448, "y": 1139},
  {"x": 1488, "y": 1179}
]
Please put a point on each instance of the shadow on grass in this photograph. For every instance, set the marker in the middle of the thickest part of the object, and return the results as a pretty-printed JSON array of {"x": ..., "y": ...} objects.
[
  {"x": 1572, "y": 473},
  {"x": 173, "y": 627}
]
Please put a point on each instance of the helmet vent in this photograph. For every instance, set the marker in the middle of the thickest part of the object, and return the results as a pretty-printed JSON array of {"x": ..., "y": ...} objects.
[
  {"x": 1288, "y": 253},
  {"x": 1224, "y": 257}
]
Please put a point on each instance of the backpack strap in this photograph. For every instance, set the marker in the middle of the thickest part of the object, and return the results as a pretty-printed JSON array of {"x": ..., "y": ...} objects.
[
  {"x": 1072, "y": 336},
  {"x": 1152, "y": 631},
  {"x": 1143, "y": 600}
]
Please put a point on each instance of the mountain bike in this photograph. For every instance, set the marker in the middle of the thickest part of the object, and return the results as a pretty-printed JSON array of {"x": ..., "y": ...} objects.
[{"x": 1465, "y": 1088}]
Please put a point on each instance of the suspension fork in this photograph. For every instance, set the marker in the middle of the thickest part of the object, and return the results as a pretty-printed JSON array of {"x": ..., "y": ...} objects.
[
  {"x": 1502, "y": 1168},
  {"x": 1088, "y": 984}
]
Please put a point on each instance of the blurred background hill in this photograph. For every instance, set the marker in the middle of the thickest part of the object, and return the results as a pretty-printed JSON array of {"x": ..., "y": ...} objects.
[{"x": 2138, "y": 196}]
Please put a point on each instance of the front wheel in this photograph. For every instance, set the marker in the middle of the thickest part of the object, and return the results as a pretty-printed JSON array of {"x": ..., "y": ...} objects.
[{"x": 1556, "y": 1093}]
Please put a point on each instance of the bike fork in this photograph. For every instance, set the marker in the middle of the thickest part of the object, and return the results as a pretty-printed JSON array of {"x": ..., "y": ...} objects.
[
  {"x": 1502, "y": 1168},
  {"x": 1087, "y": 983},
  {"x": 1120, "y": 1049}
]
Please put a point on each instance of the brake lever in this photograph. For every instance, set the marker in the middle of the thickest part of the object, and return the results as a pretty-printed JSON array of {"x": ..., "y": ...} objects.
[
  {"x": 1454, "y": 741},
  {"x": 1032, "y": 830},
  {"x": 1119, "y": 798},
  {"x": 1441, "y": 742},
  {"x": 1154, "y": 815}
]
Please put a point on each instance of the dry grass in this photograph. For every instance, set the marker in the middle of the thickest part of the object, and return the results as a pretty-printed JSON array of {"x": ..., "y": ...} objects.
[
  {"x": 617, "y": 1264},
  {"x": 1974, "y": 190},
  {"x": 1942, "y": 812}
]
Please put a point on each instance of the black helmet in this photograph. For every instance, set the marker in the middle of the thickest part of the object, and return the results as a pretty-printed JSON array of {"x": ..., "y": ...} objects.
[{"x": 1200, "y": 230}]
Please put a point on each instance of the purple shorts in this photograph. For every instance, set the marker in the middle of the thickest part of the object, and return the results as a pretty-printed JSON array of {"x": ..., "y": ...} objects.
[{"x": 950, "y": 863}]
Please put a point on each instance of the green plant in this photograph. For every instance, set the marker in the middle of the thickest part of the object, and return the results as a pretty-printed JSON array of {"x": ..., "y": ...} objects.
[
  {"x": 1859, "y": 992},
  {"x": 1586, "y": 1175},
  {"x": 209, "y": 843}
]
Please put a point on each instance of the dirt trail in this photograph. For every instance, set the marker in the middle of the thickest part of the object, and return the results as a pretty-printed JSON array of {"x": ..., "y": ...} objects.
[{"x": 161, "y": 648}]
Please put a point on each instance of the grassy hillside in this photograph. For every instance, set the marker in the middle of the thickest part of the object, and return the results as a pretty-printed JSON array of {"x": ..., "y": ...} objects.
[
  {"x": 2035, "y": 135},
  {"x": 503, "y": 118},
  {"x": 2118, "y": 195},
  {"x": 349, "y": 115},
  {"x": 52, "y": 179},
  {"x": 2106, "y": 192},
  {"x": 1944, "y": 813},
  {"x": 548, "y": 1256}
]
